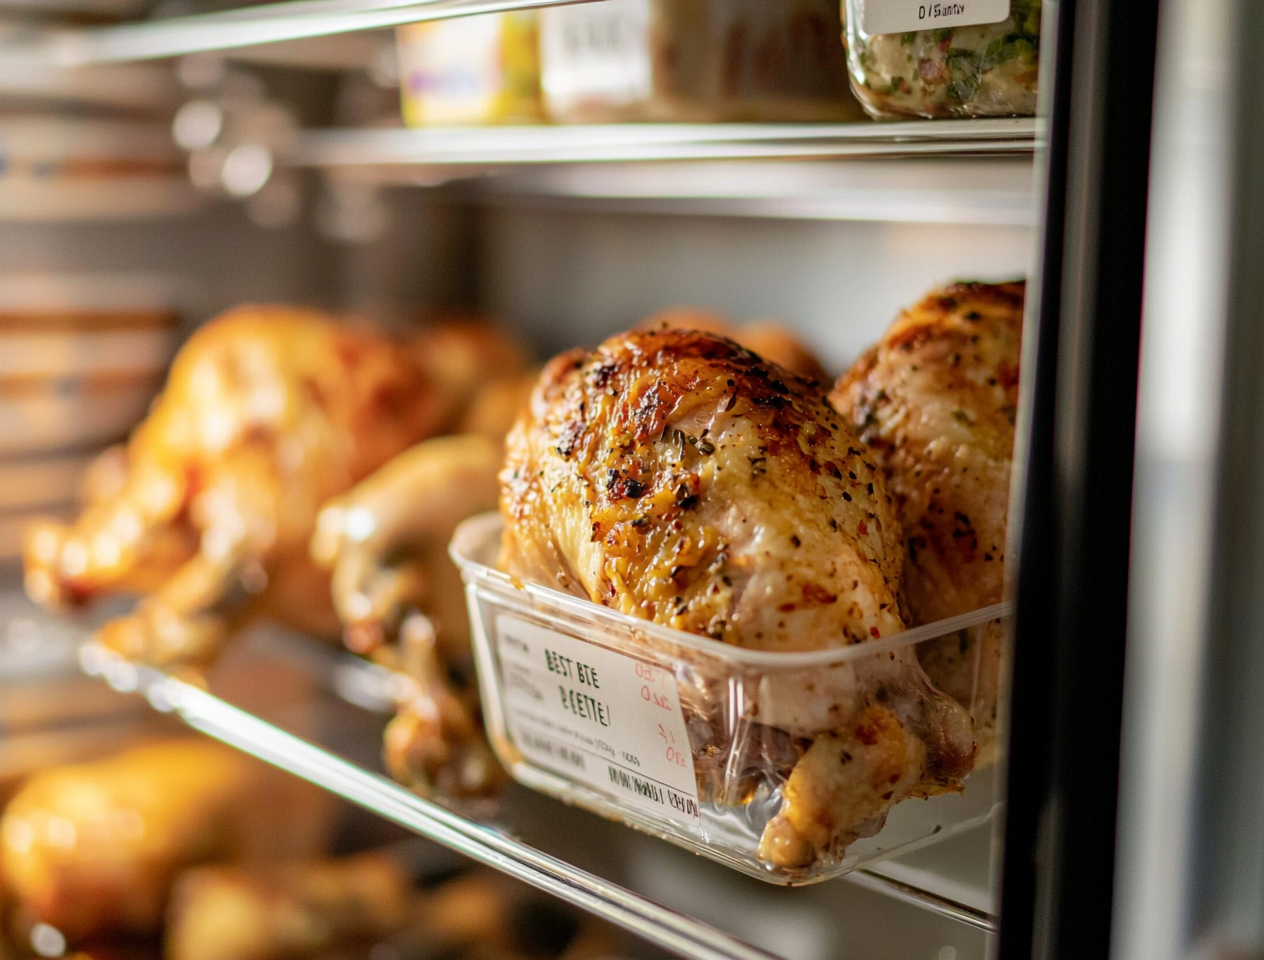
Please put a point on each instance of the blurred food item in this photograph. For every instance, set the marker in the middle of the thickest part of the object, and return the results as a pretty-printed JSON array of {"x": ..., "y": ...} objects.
[
  {"x": 436, "y": 743},
  {"x": 93, "y": 848},
  {"x": 287, "y": 911},
  {"x": 386, "y": 539},
  {"x": 496, "y": 406},
  {"x": 267, "y": 414},
  {"x": 386, "y": 542},
  {"x": 694, "y": 60},
  {"x": 470, "y": 70},
  {"x": 768, "y": 338},
  {"x": 978, "y": 62},
  {"x": 935, "y": 402},
  {"x": 481, "y": 916},
  {"x": 676, "y": 477}
]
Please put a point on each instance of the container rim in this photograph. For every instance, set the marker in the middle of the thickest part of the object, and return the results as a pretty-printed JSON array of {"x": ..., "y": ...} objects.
[{"x": 474, "y": 537}]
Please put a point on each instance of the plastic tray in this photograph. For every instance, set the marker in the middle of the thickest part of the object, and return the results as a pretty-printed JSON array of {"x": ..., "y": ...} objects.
[{"x": 656, "y": 728}]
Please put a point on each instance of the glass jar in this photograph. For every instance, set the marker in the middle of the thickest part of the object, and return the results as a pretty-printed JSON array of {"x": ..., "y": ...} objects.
[{"x": 910, "y": 58}]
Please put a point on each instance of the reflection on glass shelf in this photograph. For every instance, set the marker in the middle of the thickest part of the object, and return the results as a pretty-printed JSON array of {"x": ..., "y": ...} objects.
[
  {"x": 253, "y": 25},
  {"x": 614, "y": 872},
  {"x": 605, "y": 143}
]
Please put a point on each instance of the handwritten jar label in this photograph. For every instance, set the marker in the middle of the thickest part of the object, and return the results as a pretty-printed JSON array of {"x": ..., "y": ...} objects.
[
  {"x": 592, "y": 715},
  {"x": 906, "y": 16}
]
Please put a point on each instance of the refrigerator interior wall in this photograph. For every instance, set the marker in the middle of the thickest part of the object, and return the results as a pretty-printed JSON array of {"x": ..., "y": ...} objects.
[{"x": 570, "y": 277}]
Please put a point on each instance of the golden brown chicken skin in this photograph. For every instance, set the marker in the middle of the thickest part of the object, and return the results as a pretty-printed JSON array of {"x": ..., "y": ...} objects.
[
  {"x": 92, "y": 848},
  {"x": 267, "y": 413},
  {"x": 677, "y": 477},
  {"x": 767, "y": 338},
  {"x": 935, "y": 403}
]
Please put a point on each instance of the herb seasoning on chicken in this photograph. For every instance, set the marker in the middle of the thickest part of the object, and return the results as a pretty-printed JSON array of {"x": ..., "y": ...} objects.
[
  {"x": 676, "y": 477},
  {"x": 935, "y": 403}
]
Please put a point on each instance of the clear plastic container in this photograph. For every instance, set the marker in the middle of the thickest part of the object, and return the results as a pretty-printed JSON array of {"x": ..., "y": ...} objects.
[
  {"x": 694, "y": 61},
  {"x": 677, "y": 734},
  {"x": 937, "y": 60}
]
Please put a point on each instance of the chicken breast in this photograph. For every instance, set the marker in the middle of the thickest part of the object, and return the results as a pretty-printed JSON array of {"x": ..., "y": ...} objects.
[
  {"x": 678, "y": 478},
  {"x": 934, "y": 402}
]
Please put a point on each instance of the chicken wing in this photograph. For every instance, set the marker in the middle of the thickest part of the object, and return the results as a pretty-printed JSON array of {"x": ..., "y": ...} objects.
[
  {"x": 676, "y": 477},
  {"x": 386, "y": 542},
  {"x": 93, "y": 848},
  {"x": 935, "y": 403},
  {"x": 267, "y": 414}
]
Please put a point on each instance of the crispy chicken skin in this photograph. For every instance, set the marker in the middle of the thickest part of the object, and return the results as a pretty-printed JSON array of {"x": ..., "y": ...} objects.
[
  {"x": 92, "y": 848},
  {"x": 934, "y": 403},
  {"x": 767, "y": 338},
  {"x": 267, "y": 413},
  {"x": 679, "y": 478}
]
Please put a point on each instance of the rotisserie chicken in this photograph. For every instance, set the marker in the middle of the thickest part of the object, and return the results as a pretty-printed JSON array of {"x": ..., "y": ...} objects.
[
  {"x": 677, "y": 477},
  {"x": 267, "y": 414},
  {"x": 935, "y": 403},
  {"x": 92, "y": 848}
]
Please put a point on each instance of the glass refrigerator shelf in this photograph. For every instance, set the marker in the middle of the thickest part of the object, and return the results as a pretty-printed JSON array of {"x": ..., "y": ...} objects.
[
  {"x": 629, "y": 142},
  {"x": 364, "y": 685}
]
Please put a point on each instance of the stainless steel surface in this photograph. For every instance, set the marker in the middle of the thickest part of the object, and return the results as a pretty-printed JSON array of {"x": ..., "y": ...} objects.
[{"x": 1178, "y": 428}]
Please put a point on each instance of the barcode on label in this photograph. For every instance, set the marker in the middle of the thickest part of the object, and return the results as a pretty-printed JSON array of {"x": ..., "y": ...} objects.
[{"x": 610, "y": 721}]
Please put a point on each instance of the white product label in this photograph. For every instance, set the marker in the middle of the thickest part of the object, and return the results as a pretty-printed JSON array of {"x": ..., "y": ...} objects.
[
  {"x": 592, "y": 715},
  {"x": 905, "y": 16},
  {"x": 598, "y": 51}
]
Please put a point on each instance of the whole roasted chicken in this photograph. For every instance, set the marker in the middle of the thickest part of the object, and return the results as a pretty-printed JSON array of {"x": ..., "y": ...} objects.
[
  {"x": 268, "y": 413},
  {"x": 679, "y": 478},
  {"x": 934, "y": 402}
]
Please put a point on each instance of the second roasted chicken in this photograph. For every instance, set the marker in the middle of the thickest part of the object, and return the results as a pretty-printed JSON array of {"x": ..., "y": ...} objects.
[
  {"x": 677, "y": 477},
  {"x": 268, "y": 413},
  {"x": 935, "y": 402}
]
